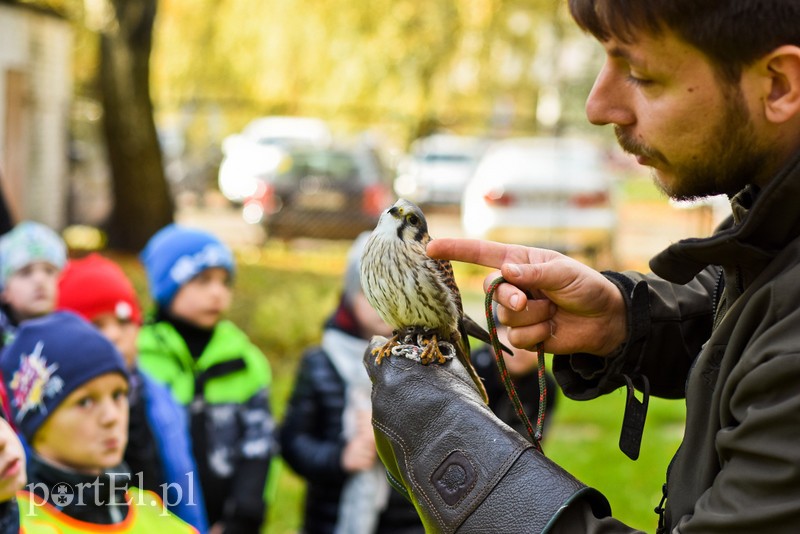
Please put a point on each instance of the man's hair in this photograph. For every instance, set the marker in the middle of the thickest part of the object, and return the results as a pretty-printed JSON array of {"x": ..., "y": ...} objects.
[{"x": 731, "y": 33}]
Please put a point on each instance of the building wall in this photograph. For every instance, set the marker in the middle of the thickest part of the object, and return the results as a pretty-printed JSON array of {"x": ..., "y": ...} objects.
[{"x": 36, "y": 49}]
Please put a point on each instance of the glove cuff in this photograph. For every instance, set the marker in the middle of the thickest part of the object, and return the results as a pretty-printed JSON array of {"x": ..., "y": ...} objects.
[{"x": 466, "y": 470}]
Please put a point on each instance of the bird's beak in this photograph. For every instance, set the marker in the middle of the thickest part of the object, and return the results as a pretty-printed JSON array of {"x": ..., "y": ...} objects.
[{"x": 395, "y": 212}]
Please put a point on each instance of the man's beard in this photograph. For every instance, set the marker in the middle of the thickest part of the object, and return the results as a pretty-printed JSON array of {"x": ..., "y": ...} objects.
[{"x": 732, "y": 159}]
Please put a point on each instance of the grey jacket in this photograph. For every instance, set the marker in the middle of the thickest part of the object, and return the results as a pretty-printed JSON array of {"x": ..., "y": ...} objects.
[{"x": 719, "y": 324}]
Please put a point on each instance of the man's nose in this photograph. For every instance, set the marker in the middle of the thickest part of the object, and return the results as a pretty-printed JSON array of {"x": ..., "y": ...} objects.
[{"x": 610, "y": 101}]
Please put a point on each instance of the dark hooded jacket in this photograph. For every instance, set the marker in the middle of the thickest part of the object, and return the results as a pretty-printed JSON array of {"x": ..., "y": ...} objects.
[
  {"x": 719, "y": 324},
  {"x": 312, "y": 444}
]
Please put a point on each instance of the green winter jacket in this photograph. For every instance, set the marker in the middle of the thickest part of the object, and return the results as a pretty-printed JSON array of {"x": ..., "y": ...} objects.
[
  {"x": 226, "y": 394},
  {"x": 164, "y": 356}
]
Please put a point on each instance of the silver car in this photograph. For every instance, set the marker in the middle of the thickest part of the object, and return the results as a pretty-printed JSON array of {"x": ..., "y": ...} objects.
[
  {"x": 547, "y": 192},
  {"x": 438, "y": 168}
]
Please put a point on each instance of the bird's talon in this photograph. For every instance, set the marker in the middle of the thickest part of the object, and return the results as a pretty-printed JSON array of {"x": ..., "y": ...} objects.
[{"x": 384, "y": 351}]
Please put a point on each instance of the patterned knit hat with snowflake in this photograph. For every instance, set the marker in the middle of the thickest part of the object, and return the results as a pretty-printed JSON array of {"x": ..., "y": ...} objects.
[{"x": 50, "y": 358}]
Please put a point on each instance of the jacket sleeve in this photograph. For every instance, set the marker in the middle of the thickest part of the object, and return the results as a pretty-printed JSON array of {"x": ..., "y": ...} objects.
[
  {"x": 170, "y": 430},
  {"x": 302, "y": 443},
  {"x": 667, "y": 326}
]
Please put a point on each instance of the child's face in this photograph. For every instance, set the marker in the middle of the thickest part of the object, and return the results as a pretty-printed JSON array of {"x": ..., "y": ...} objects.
[
  {"x": 12, "y": 462},
  {"x": 89, "y": 429},
  {"x": 121, "y": 332},
  {"x": 368, "y": 319},
  {"x": 204, "y": 299},
  {"x": 31, "y": 290}
]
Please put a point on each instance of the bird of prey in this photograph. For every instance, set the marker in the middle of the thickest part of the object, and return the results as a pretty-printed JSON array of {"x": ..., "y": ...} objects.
[{"x": 413, "y": 293}]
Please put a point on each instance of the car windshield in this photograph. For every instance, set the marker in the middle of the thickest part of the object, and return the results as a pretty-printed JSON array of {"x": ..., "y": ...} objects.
[{"x": 328, "y": 165}]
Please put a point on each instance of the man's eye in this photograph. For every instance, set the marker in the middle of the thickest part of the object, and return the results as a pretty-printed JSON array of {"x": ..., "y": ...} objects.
[{"x": 640, "y": 82}]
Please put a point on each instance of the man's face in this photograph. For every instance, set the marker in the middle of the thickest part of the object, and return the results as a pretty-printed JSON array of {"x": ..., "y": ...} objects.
[{"x": 671, "y": 110}]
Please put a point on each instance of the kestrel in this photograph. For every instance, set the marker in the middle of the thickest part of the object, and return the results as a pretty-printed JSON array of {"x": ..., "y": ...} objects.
[{"x": 413, "y": 293}]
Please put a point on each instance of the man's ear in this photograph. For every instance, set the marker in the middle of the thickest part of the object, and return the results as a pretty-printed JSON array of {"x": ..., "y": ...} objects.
[{"x": 782, "y": 80}]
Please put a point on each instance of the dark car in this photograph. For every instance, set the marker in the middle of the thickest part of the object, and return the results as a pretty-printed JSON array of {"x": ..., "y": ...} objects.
[{"x": 321, "y": 192}]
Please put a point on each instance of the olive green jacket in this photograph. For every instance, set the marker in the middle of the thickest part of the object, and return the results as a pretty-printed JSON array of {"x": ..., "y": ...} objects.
[{"x": 720, "y": 326}]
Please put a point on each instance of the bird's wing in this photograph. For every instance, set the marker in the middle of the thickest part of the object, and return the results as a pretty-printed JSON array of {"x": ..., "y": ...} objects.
[
  {"x": 445, "y": 269},
  {"x": 464, "y": 356},
  {"x": 466, "y": 324}
]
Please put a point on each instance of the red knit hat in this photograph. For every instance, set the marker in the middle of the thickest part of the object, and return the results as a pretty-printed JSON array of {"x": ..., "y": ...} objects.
[{"x": 94, "y": 285}]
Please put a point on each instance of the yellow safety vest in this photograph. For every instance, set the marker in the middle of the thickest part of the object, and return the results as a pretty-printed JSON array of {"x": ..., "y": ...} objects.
[{"x": 146, "y": 515}]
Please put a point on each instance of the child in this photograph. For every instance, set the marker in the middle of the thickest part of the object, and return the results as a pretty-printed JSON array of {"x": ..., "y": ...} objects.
[
  {"x": 31, "y": 256},
  {"x": 69, "y": 399},
  {"x": 12, "y": 477},
  {"x": 159, "y": 453},
  {"x": 327, "y": 435},
  {"x": 213, "y": 369}
]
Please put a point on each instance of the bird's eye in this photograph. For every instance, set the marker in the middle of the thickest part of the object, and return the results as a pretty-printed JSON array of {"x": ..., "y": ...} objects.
[{"x": 413, "y": 220}]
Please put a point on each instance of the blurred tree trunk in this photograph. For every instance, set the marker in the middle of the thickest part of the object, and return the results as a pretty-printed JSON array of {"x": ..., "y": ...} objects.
[{"x": 141, "y": 196}]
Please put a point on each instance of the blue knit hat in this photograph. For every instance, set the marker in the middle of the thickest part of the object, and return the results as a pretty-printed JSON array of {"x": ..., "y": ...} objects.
[
  {"x": 176, "y": 254},
  {"x": 50, "y": 357},
  {"x": 29, "y": 242}
]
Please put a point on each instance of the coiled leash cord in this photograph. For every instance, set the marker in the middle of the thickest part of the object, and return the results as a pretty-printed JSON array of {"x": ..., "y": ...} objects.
[{"x": 536, "y": 435}]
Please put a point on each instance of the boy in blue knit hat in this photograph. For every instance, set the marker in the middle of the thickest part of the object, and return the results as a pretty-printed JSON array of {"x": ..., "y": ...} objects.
[
  {"x": 31, "y": 257},
  {"x": 213, "y": 369},
  {"x": 68, "y": 386}
]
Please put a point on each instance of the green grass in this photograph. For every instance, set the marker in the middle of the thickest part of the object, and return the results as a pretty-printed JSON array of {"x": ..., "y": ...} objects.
[{"x": 282, "y": 298}]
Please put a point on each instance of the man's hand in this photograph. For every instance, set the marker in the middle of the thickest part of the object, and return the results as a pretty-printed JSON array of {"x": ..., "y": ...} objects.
[{"x": 549, "y": 297}]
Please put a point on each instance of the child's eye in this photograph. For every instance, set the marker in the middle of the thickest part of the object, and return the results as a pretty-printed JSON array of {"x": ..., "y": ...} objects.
[
  {"x": 120, "y": 394},
  {"x": 85, "y": 402},
  {"x": 25, "y": 271}
]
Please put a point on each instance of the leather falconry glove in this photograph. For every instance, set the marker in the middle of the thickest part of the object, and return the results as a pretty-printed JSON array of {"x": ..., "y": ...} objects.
[{"x": 462, "y": 468}]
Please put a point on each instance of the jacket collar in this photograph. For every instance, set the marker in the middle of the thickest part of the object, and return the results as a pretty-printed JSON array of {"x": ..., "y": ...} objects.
[{"x": 763, "y": 223}]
